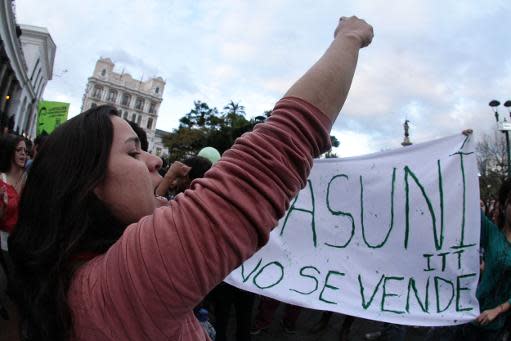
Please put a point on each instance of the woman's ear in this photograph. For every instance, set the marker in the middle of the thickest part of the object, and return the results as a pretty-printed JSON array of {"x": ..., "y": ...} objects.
[{"x": 99, "y": 191}]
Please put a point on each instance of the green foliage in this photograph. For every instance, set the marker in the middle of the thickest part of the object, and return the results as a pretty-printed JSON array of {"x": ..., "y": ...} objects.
[
  {"x": 204, "y": 126},
  {"x": 335, "y": 143},
  {"x": 235, "y": 115},
  {"x": 201, "y": 116}
]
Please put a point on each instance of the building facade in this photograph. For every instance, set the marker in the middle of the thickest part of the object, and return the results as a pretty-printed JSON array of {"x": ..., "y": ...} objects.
[
  {"x": 39, "y": 51},
  {"x": 27, "y": 54},
  {"x": 158, "y": 143},
  {"x": 137, "y": 101}
]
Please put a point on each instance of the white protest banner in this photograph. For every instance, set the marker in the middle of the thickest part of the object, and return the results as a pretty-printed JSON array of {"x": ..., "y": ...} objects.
[{"x": 392, "y": 236}]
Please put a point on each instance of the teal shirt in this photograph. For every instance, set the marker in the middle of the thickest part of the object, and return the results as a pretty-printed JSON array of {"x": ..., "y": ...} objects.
[{"x": 495, "y": 285}]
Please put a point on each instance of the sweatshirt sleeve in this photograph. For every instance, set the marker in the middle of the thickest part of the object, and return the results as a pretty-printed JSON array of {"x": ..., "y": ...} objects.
[{"x": 166, "y": 263}]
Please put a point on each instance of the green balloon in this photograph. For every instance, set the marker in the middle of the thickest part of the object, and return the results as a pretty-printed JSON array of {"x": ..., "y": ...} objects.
[{"x": 210, "y": 153}]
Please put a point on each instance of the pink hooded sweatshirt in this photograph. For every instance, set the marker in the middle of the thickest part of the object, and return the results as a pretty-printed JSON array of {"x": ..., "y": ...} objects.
[{"x": 146, "y": 285}]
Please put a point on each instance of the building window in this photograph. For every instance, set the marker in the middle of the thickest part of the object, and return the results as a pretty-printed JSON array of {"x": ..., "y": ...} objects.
[
  {"x": 35, "y": 68},
  {"x": 152, "y": 108},
  {"x": 126, "y": 99},
  {"x": 133, "y": 117},
  {"x": 112, "y": 95},
  {"x": 158, "y": 151},
  {"x": 125, "y": 115},
  {"x": 97, "y": 92},
  {"x": 37, "y": 78},
  {"x": 139, "y": 104},
  {"x": 157, "y": 90},
  {"x": 139, "y": 121},
  {"x": 93, "y": 105},
  {"x": 39, "y": 84},
  {"x": 103, "y": 73},
  {"x": 150, "y": 123}
]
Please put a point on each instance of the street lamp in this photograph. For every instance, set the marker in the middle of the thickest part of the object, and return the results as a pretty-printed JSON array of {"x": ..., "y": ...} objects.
[{"x": 504, "y": 126}]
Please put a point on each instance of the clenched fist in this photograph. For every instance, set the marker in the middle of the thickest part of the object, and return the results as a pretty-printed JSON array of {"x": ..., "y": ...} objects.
[{"x": 355, "y": 28}]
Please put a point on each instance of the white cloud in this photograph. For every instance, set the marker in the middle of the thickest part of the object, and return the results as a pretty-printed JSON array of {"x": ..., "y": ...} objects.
[
  {"x": 353, "y": 143},
  {"x": 437, "y": 63}
]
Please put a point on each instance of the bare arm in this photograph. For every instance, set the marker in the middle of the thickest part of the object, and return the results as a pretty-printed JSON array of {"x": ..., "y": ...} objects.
[
  {"x": 326, "y": 83},
  {"x": 489, "y": 315},
  {"x": 176, "y": 170}
]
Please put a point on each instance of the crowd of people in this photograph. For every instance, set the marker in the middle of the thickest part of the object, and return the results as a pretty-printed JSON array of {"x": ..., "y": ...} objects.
[{"x": 100, "y": 242}]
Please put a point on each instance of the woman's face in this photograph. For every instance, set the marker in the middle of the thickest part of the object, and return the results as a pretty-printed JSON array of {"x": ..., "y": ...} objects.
[
  {"x": 20, "y": 155},
  {"x": 131, "y": 177}
]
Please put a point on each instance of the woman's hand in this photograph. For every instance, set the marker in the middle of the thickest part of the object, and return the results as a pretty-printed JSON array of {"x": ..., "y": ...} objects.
[
  {"x": 489, "y": 315},
  {"x": 177, "y": 170},
  {"x": 356, "y": 28}
]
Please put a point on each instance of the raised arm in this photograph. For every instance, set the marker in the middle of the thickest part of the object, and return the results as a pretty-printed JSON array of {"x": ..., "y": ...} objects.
[
  {"x": 326, "y": 83},
  {"x": 176, "y": 170},
  {"x": 229, "y": 213}
]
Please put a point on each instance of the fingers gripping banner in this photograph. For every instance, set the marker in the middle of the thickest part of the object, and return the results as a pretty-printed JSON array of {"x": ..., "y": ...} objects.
[{"x": 392, "y": 236}]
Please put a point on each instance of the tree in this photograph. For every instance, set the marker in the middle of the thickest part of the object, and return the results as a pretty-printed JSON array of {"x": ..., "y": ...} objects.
[
  {"x": 235, "y": 114},
  {"x": 492, "y": 164},
  {"x": 184, "y": 142},
  {"x": 335, "y": 143},
  {"x": 234, "y": 125},
  {"x": 201, "y": 116},
  {"x": 204, "y": 126}
]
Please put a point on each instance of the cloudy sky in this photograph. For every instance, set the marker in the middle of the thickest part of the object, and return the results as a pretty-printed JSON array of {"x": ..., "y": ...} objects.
[{"x": 435, "y": 63}]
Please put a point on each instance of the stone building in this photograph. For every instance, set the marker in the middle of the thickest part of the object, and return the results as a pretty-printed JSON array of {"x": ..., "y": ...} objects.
[
  {"x": 27, "y": 54},
  {"x": 136, "y": 100}
]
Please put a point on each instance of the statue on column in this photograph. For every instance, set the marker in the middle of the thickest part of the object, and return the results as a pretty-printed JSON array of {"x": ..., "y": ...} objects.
[{"x": 406, "y": 140}]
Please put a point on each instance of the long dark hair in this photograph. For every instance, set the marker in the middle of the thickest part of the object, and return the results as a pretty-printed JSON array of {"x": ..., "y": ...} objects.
[
  {"x": 200, "y": 165},
  {"x": 61, "y": 218},
  {"x": 8, "y": 145},
  {"x": 503, "y": 197}
]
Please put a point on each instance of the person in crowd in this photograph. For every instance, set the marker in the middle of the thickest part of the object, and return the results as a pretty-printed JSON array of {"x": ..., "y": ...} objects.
[
  {"x": 499, "y": 211},
  {"x": 38, "y": 144},
  {"x": 223, "y": 298},
  {"x": 30, "y": 148},
  {"x": 164, "y": 166},
  {"x": 325, "y": 319},
  {"x": 181, "y": 174},
  {"x": 507, "y": 333},
  {"x": 3, "y": 297},
  {"x": 494, "y": 289},
  {"x": 265, "y": 315},
  {"x": 13, "y": 155},
  {"x": 98, "y": 256},
  {"x": 389, "y": 332}
]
